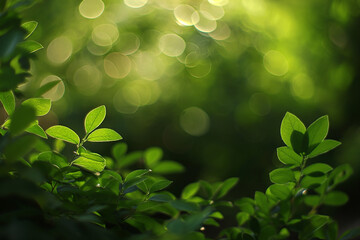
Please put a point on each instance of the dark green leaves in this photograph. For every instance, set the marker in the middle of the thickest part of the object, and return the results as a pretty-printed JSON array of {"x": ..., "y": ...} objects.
[
  {"x": 92, "y": 162},
  {"x": 29, "y": 27},
  {"x": 63, "y": 133},
  {"x": 94, "y": 118},
  {"x": 324, "y": 147},
  {"x": 104, "y": 135},
  {"x": 22, "y": 118},
  {"x": 282, "y": 175}
]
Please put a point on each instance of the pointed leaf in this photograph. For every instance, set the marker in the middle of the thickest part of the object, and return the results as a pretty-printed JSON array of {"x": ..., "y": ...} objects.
[
  {"x": 290, "y": 126},
  {"x": 53, "y": 158},
  {"x": 92, "y": 162},
  {"x": 287, "y": 156},
  {"x": 226, "y": 186},
  {"x": 320, "y": 168},
  {"x": 282, "y": 175},
  {"x": 94, "y": 118},
  {"x": 8, "y": 101},
  {"x": 324, "y": 147},
  {"x": 157, "y": 186},
  {"x": 46, "y": 87},
  {"x": 29, "y": 27},
  {"x": 317, "y": 131},
  {"x": 183, "y": 205},
  {"x": 104, "y": 135},
  {"x": 63, "y": 133},
  {"x": 36, "y": 129},
  {"x": 41, "y": 105},
  {"x": 30, "y": 46},
  {"x": 136, "y": 174},
  {"x": 168, "y": 167},
  {"x": 190, "y": 190}
]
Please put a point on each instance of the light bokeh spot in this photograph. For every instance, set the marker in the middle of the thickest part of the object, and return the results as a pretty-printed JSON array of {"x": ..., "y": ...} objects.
[
  {"x": 210, "y": 11},
  {"x": 172, "y": 45},
  {"x": 88, "y": 80},
  {"x": 105, "y": 34},
  {"x": 59, "y": 50},
  {"x": 222, "y": 32},
  {"x": 91, "y": 8},
  {"x": 186, "y": 15},
  {"x": 219, "y": 2},
  {"x": 200, "y": 70},
  {"x": 276, "y": 63},
  {"x": 302, "y": 86},
  {"x": 57, "y": 92},
  {"x": 128, "y": 43},
  {"x": 135, "y": 3},
  {"x": 195, "y": 121},
  {"x": 117, "y": 65},
  {"x": 206, "y": 25}
]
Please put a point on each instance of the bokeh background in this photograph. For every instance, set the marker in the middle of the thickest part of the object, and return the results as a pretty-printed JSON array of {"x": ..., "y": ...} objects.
[{"x": 206, "y": 80}]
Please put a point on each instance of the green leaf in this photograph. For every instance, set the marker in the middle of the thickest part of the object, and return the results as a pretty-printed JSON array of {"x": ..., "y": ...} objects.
[
  {"x": 340, "y": 174},
  {"x": 242, "y": 217},
  {"x": 291, "y": 129},
  {"x": 92, "y": 162},
  {"x": 312, "y": 200},
  {"x": 190, "y": 190},
  {"x": 8, "y": 101},
  {"x": 129, "y": 159},
  {"x": 9, "y": 40},
  {"x": 63, "y": 133},
  {"x": 226, "y": 186},
  {"x": 287, "y": 156},
  {"x": 161, "y": 197},
  {"x": 280, "y": 191},
  {"x": 152, "y": 156},
  {"x": 119, "y": 150},
  {"x": 168, "y": 167},
  {"x": 36, "y": 129},
  {"x": 160, "y": 185},
  {"x": 313, "y": 224},
  {"x": 261, "y": 201},
  {"x": 46, "y": 87},
  {"x": 30, "y": 46},
  {"x": 317, "y": 131},
  {"x": 94, "y": 118},
  {"x": 282, "y": 175},
  {"x": 183, "y": 205},
  {"x": 104, "y": 135},
  {"x": 312, "y": 182},
  {"x": 21, "y": 119},
  {"x": 41, "y": 105},
  {"x": 324, "y": 147},
  {"x": 29, "y": 27},
  {"x": 136, "y": 174},
  {"x": 20, "y": 147},
  {"x": 335, "y": 198},
  {"x": 317, "y": 169}
]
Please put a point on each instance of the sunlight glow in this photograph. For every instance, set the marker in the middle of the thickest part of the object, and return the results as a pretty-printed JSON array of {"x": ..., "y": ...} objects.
[
  {"x": 105, "y": 34},
  {"x": 91, "y": 8},
  {"x": 302, "y": 86},
  {"x": 88, "y": 80},
  {"x": 186, "y": 15},
  {"x": 195, "y": 121},
  {"x": 172, "y": 45},
  {"x": 59, "y": 50},
  {"x": 135, "y": 3},
  {"x": 276, "y": 63},
  {"x": 117, "y": 65}
]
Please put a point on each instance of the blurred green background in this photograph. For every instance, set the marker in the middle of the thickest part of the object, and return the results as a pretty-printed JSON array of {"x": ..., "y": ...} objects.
[{"x": 207, "y": 80}]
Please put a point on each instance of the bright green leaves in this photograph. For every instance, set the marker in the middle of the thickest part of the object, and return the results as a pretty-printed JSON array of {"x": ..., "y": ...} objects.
[
  {"x": 30, "y": 46},
  {"x": 159, "y": 185},
  {"x": 292, "y": 132},
  {"x": 104, "y": 135},
  {"x": 317, "y": 131},
  {"x": 282, "y": 175},
  {"x": 8, "y": 101},
  {"x": 36, "y": 129},
  {"x": 92, "y": 162},
  {"x": 287, "y": 156},
  {"x": 63, "y": 133},
  {"x": 225, "y": 187},
  {"x": 41, "y": 105},
  {"x": 190, "y": 190},
  {"x": 308, "y": 142},
  {"x": 94, "y": 118},
  {"x": 152, "y": 156}
]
